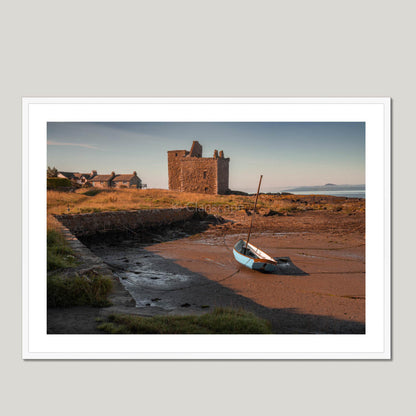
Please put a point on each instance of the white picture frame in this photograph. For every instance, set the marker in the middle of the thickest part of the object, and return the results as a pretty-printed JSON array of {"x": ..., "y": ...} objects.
[{"x": 374, "y": 344}]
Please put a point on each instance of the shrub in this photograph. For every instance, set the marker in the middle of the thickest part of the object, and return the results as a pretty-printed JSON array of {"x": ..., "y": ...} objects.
[
  {"x": 57, "y": 183},
  {"x": 52, "y": 172}
]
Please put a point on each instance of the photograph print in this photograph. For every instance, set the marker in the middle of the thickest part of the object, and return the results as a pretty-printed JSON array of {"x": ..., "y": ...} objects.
[
  {"x": 174, "y": 217},
  {"x": 255, "y": 228}
]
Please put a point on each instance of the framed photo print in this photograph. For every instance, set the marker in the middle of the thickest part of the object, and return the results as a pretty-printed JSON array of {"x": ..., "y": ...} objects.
[{"x": 206, "y": 228}]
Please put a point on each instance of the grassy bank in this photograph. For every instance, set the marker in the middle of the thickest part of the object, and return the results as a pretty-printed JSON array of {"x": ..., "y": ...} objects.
[
  {"x": 78, "y": 290},
  {"x": 116, "y": 199},
  {"x": 220, "y": 321},
  {"x": 95, "y": 200},
  {"x": 59, "y": 254},
  {"x": 65, "y": 287}
]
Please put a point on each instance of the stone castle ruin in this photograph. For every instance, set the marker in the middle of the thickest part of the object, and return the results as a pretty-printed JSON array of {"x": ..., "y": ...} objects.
[{"x": 190, "y": 172}]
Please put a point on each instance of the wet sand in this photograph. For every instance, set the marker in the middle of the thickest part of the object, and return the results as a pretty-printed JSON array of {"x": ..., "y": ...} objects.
[{"x": 321, "y": 288}]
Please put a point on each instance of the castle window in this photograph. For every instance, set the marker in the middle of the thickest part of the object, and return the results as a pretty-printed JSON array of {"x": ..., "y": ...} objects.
[
  {"x": 206, "y": 189},
  {"x": 176, "y": 154},
  {"x": 205, "y": 174}
]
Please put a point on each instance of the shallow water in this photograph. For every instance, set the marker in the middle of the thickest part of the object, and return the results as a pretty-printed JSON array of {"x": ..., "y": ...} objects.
[{"x": 145, "y": 274}]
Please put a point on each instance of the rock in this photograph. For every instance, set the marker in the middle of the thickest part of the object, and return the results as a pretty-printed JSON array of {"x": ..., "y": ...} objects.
[{"x": 269, "y": 213}]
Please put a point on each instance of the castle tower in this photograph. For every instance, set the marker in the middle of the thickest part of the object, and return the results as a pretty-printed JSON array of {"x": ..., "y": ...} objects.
[
  {"x": 190, "y": 172},
  {"x": 174, "y": 167}
]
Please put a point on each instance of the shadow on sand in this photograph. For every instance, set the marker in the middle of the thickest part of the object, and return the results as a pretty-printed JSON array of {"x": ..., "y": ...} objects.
[{"x": 285, "y": 267}]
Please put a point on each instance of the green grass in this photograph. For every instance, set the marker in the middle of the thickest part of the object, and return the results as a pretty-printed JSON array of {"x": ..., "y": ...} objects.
[
  {"x": 59, "y": 254},
  {"x": 220, "y": 321},
  {"x": 76, "y": 290},
  {"x": 82, "y": 290}
]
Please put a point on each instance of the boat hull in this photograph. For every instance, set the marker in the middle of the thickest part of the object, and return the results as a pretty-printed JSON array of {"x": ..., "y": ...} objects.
[{"x": 256, "y": 260}]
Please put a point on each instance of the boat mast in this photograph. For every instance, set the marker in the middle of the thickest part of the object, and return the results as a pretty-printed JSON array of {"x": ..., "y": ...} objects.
[{"x": 254, "y": 211}]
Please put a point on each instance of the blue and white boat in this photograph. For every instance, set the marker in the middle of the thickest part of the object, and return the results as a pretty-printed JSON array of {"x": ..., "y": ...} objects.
[{"x": 253, "y": 258}]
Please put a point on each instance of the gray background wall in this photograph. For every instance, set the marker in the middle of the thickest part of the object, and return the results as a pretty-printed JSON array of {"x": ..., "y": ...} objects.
[{"x": 215, "y": 48}]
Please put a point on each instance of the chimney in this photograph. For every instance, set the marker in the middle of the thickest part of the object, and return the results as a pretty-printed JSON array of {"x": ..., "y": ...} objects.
[
  {"x": 135, "y": 173},
  {"x": 215, "y": 153},
  {"x": 221, "y": 154},
  {"x": 113, "y": 174},
  {"x": 93, "y": 173}
]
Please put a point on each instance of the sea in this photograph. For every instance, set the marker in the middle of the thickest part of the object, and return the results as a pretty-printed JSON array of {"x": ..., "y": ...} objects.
[
  {"x": 348, "y": 191},
  {"x": 342, "y": 192}
]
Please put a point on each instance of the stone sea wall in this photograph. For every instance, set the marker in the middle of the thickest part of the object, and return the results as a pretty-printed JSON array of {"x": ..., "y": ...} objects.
[{"x": 89, "y": 224}]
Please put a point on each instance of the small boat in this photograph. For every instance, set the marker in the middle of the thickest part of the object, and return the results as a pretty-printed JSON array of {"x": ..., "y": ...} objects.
[{"x": 253, "y": 258}]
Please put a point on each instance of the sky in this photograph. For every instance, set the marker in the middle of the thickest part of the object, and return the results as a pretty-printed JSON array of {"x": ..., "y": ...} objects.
[{"x": 286, "y": 154}]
